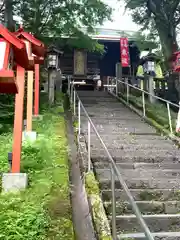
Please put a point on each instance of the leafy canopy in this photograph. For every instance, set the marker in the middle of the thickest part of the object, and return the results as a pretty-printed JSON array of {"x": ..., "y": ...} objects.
[
  {"x": 54, "y": 18},
  {"x": 164, "y": 11},
  {"x": 161, "y": 17}
]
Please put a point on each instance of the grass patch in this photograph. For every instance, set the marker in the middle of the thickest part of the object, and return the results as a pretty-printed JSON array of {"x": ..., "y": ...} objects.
[
  {"x": 100, "y": 220},
  {"x": 43, "y": 210}
]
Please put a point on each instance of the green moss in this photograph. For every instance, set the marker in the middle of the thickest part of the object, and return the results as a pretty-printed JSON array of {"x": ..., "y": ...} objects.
[
  {"x": 99, "y": 216},
  {"x": 149, "y": 196},
  {"x": 91, "y": 184}
]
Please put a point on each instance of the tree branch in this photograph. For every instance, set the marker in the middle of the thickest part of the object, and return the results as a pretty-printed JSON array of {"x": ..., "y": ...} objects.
[
  {"x": 2, "y": 5},
  {"x": 174, "y": 6},
  {"x": 177, "y": 22}
]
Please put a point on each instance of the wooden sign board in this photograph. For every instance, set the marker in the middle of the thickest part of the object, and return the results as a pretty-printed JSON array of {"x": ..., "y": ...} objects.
[{"x": 80, "y": 62}]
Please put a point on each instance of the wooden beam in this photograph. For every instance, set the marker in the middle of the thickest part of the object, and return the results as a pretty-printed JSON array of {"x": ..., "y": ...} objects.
[
  {"x": 18, "y": 121},
  {"x": 29, "y": 101},
  {"x": 36, "y": 94}
]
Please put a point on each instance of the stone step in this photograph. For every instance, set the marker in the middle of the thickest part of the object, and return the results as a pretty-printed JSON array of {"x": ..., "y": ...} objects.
[
  {"x": 116, "y": 135},
  {"x": 111, "y": 114},
  {"x": 144, "y": 195},
  {"x": 140, "y": 165},
  {"x": 131, "y": 137},
  {"x": 108, "y": 108},
  {"x": 145, "y": 207},
  {"x": 145, "y": 183},
  {"x": 120, "y": 121},
  {"x": 157, "y": 236},
  {"x": 131, "y": 157},
  {"x": 120, "y": 114},
  {"x": 117, "y": 123},
  {"x": 141, "y": 173},
  {"x": 137, "y": 152},
  {"x": 110, "y": 118},
  {"x": 156, "y": 223},
  {"x": 134, "y": 146},
  {"x": 137, "y": 159},
  {"x": 121, "y": 130},
  {"x": 130, "y": 141},
  {"x": 100, "y": 97},
  {"x": 113, "y": 108}
]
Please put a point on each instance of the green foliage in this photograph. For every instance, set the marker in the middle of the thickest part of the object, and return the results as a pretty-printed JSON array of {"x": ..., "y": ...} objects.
[
  {"x": 6, "y": 110},
  {"x": 100, "y": 219},
  {"x": 162, "y": 18},
  {"x": 91, "y": 184},
  {"x": 144, "y": 42},
  {"x": 43, "y": 210},
  {"x": 54, "y": 18}
]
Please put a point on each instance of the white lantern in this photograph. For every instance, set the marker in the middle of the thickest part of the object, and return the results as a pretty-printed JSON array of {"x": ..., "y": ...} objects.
[
  {"x": 149, "y": 67},
  {"x": 53, "y": 60}
]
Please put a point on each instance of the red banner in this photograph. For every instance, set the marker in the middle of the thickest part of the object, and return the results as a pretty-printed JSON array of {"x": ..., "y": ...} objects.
[{"x": 124, "y": 47}]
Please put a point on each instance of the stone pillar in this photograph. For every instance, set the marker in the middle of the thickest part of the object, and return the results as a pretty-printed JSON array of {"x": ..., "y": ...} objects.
[
  {"x": 51, "y": 86},
  {"x": 118, "y": 75},
  {"x": 151, "y": 89},
  {"x": 45, "y": 86},
  {"x": 58, "y": 82}
]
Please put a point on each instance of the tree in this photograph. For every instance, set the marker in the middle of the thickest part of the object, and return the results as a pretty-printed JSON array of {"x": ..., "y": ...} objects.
[
  {"x": 161, "y": 17},
  {"x": 2, "y": 10},
  {"x": 54, "y": 18},
  {"x": 145, "y": 42},
  {"x": 8, "y": 15}
]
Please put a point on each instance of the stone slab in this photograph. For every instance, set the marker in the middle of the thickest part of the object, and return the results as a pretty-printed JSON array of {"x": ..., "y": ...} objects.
[
  {"x": 14, "y": 181},
  {"x": 29, "y": 136}
]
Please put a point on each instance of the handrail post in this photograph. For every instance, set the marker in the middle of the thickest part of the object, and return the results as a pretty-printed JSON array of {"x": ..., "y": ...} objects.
[
  {"x": 116, "y": 87},
  {"x": 74, "y": 92},
  {"x": 108, "y": 83},
  {"x": 114, "y": 230},
  {"x": 143, "y": 102},
  {"x": 127, "y": 90},
  {"x": 69, "y": 85},
  {"x": 89, "y": 146},
  {"x": 79, "y": 117},
  {"x": 169, "y": 116},
  {"x": 71, "y": 92}
]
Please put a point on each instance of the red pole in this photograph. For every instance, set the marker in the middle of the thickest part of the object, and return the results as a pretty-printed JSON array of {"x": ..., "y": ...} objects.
[
  {"x": 36, "y": 94},
  {"x": 18, "y": 121}
]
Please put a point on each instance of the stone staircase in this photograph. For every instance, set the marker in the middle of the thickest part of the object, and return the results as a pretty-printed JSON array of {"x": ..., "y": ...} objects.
[{"x": 149, "y": 163}]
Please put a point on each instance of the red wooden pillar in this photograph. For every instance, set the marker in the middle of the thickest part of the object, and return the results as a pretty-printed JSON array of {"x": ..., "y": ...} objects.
[
  {"x": 18, "y": 121},
  {"x": 36, "y": 94}
]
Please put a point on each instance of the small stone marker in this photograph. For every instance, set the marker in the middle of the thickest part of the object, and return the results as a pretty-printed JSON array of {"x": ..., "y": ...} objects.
[
  {"x": 12, "y": 182},
  {"x": 31, "y": 136}
]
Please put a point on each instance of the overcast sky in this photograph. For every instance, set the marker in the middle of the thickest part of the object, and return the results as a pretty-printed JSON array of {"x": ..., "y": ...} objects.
[{"x": 121, "y": 20}]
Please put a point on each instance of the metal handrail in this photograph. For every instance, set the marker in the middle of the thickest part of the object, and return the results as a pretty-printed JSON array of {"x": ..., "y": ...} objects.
[
  {"x": 114, "y": 166},
  {"x": 141, "y": 90}
]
